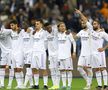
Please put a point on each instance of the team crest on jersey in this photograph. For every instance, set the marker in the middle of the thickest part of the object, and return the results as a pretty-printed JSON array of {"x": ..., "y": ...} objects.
[
  {"x": 50, "y": 38},
  {"x": 62, "y": 39}
]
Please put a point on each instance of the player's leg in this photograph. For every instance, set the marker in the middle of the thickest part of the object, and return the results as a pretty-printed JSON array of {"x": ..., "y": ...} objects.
[
  {"x": 42, "y": 60},
  {"x": 81, "y": 63},
  {"x": 105, "y": 77},
  {"x": 88, "y": 69},
  {"x": 2, "y": 68},
  {"x": 35, "y": 70},
  {"x": 11, "y": 71},
  {"x": 89, "y": 76},
  {"x": 55, "y": 73},
  {"x": 11, "y": 76},
  {"x": 63, "y": 73},
  {"x": 19, "y": 70},
  {"x": 69, "y": 68},
  {"x": 52, "y": 70},
  {"x": 28, "y": 75},
  {"x": 96, "y": 66},
  {"x": 103, "y": 70},
  {"x": 98, "y": 78}
]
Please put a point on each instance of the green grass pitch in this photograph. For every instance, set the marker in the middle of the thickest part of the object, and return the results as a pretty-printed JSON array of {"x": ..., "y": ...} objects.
[{"x": 77, "y": 84}]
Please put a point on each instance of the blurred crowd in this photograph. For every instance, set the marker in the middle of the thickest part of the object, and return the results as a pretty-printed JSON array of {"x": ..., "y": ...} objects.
[{"x": 54, "y": 11}]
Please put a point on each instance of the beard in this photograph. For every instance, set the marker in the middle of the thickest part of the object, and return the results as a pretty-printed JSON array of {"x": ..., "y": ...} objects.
[
  {"x": 95, "y": 28},
  {"x": 84, "y": 27}
]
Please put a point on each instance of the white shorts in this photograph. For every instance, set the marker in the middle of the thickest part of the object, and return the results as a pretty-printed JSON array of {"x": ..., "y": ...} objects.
[
  {"x": 84, "y": 61},
  {"x": 98, "y": 60},
  {"x": 38, "y": 60},
  {"x": 27, "y": 57},
  {"x": 66, "y": 64},
  {"x": 17, "y": 60},
  {"x": 4, "y": 58},
  {"x": 4, "y": 55},
  {"x": 53, "y": 62}
]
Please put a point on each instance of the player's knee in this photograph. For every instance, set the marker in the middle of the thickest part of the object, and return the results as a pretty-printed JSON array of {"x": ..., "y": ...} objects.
[
  {"x": 96, "y": 69},
  {"x": 44, "y": 72},
  {"x": 79, "y": 68},
  {"x": 18, "y": 69},
  {"x": 103, "y": 68},
  {"x": 35, "y": 71}
]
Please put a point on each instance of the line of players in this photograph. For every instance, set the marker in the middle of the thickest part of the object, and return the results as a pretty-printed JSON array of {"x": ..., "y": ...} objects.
[{"x": 26, "y": 46}]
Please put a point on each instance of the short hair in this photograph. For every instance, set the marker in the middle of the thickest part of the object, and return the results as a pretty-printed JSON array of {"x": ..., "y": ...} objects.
[
  {"x": 96, "y": 20},
  {"x": 60, "y": 23},
  {"x": 39, "y": 20},
  {"x": 47, "y": 24},
  {"x": 14, "y": 22}
]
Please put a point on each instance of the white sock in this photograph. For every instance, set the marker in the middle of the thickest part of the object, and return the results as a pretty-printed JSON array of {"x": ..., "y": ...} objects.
[
  {"x": 99, "y": 78},
  {"x": 11, "y": 76},
  {"x": 69, "y": 74},
  {"x": 18, "y": 78},
  {"x": 22, "y": 77},
  {"x": 26, "y": 77},
  {"x": 31, "y": 81},
  {"x": 2, "y": 76},
  {"x": 30, "y": 78},
  {"x": 57, "y": 77},
  {"x": 82, "y": 72},
  {"x": 53, "y": 76},
  {"x": 45, "y": 78},
  {"x": 105, "y": 77},
  {"x": 63, "y": 75},
  {"x": 36, "y": 78},
  {"x": 90, "y": 75}
]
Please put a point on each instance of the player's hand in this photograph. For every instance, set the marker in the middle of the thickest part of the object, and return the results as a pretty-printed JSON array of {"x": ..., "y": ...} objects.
[
  {"x": 101, "y": 49},
  {"x": 77, "y": 11},
  {"x": 74, "y": 55}
]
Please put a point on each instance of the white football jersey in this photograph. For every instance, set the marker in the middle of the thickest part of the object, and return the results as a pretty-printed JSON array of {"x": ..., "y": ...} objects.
[
  {"x": 26, "y": 40},
  {"x": 5, "y": 39},
  {"x": 52, "y": 42},
  {"x": 39, "y": 41},
  {"x": 85, "y": 43},
  {"x": 98, "y": 39},
  {"x": 16, "y": 39},
  {"x": 64, "y": 45}
]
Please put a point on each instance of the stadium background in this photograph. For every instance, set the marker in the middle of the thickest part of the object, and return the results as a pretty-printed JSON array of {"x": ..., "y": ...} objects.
[{"x": 54, "y": 11}]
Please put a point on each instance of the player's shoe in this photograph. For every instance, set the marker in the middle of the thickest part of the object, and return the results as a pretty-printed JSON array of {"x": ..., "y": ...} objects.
[
  {"x": 45, "y": 87},
  {"x": 34, "y": 87},
  {"x": 99, "y": 88},
  {"x": 105, "y": 87},
  {"x": 54, "y": 87},
  {"x": 87, "y": 87}
]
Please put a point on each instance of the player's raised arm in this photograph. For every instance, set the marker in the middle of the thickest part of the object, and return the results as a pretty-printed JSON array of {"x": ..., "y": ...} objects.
[{"x": 84, "y": 19}]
